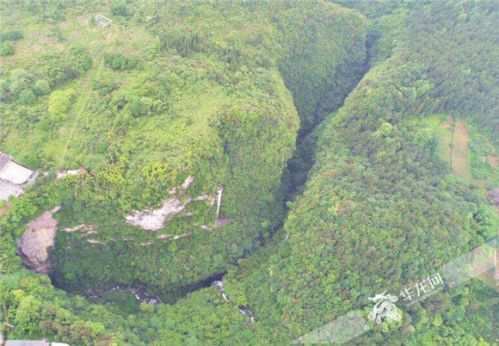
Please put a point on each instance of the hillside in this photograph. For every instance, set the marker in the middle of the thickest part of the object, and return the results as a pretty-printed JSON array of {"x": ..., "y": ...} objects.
[
  {"x": 248, "y": 171},
  {"x": 199, "y": 105}
]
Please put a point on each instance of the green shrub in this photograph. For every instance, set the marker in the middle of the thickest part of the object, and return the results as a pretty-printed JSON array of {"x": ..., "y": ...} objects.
[
  {"x": 13, "y": 35},
  {"x": 41, "y": 87},
  {"x": 60, "y": 101},
  {"x": 20, "y": 79},
  {"x": 139, "y": 106},
  {"x": 118, "y": 61},
  {"x": 6, "y": 49},
  {"x": 27, "y": 97},
  {"x": 4, "y": 90},
  {"x": 58, "y": 68},
  {"x": 119, "y": 10}
]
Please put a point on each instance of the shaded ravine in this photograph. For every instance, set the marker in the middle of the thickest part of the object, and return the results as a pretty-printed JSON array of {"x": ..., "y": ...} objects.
[
  {"x": 143, "y": 293},
  {"x": 303, "y": 159},
  {"x": 295, "y": 175}
]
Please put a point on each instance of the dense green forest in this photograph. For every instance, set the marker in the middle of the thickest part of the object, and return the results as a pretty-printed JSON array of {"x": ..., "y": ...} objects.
[{"x": 307, "y": 154}]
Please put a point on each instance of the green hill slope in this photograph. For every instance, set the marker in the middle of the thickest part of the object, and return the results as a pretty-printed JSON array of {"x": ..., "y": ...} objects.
[{"x": 220, "y": 92}]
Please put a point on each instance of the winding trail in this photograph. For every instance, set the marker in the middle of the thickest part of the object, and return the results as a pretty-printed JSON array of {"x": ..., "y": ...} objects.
[{"x": 80, "y": 108}]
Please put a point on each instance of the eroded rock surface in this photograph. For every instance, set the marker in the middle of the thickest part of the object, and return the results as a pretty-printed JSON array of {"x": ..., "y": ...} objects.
[
  {"x": 156, "y": 219},
  {"x": 87, "y": 229},
  {"x": 37, "y": 240}
]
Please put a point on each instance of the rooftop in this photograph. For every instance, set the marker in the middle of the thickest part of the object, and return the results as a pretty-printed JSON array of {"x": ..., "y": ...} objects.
[
  {"x": 13, "y": 177},
  {"x": 8, "y": 189},
  {"x": 4, "y": 159}
]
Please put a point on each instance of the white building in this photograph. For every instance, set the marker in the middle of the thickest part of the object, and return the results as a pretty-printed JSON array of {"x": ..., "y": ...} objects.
[{"x": 13, "y": 177}]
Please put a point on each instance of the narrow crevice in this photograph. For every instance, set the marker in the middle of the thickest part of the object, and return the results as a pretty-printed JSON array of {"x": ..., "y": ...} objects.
[
  {"x": 143, "y": 292},
  {"x": 303, "y": 159}
]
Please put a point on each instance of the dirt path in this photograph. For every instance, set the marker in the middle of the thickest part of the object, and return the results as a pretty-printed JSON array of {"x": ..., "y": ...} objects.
[
  {"x": 460, "y": 152},
  {"x": 79, "y": 108}
]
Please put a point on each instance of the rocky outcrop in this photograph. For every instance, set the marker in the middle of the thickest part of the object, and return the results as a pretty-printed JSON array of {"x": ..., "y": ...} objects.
[
  {"x": 36, "y": 242},
  {"x": 220, "y": 287},
  {"x": 87, "y": 229},
  {"x": 156, "y": 219},
  {"x": 243, "y": 309}
]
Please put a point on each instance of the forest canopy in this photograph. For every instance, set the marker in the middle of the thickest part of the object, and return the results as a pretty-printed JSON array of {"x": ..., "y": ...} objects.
[{"x": 236, "y": 172}]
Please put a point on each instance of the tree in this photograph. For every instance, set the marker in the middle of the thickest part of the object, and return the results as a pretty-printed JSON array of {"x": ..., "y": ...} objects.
[
  {"x": 60, "y": 101},
  {"x": 27, "y": 97},
  {"x": 119, "y": 10},
  {"x": 118, "y": 61},
  {"x": 20, "y": 79},
  {"x": 13, "y": 35},
  {"x": 41, "y": 87}
]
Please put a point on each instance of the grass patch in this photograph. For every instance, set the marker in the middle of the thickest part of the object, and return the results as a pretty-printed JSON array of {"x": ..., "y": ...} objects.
[
  {"x": 469, "y": 154},
  {"x": 460, "y": 152},
  {"x": 483, "y": 158}
]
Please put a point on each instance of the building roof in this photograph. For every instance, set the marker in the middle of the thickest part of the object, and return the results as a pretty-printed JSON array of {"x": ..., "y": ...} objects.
[
  {"x": 15, "y": 173},
  {"x": 8, "y": 189},
  {"x": 4, "y": 159}
]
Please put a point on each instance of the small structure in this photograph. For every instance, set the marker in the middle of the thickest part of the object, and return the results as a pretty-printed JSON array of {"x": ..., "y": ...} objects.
[
  {"x": 13, "y": 177},
  {"x": 30, "y": 342},
  {"x": 103, "y": 21},
  {"x": 65, "y": 173}
]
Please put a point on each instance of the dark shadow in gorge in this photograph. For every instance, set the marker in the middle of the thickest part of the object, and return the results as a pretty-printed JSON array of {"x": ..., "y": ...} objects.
[
  {"x": 303, "y": 159},
  {"x": 142, "y": 292}
]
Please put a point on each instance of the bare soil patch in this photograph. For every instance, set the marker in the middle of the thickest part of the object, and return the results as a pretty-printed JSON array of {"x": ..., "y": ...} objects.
[{"x": 460, "y": 152}]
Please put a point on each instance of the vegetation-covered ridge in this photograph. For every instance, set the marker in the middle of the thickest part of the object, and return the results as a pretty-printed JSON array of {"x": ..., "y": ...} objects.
[
  {"x": 213, "y": 100},
  {"x": 199, "y": 100}
]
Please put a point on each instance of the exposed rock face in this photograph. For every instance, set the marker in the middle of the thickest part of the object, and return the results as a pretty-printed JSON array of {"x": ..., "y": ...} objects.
[
  {"x": 37, "y": 240},
  {"x": 220, "y": 286},
  {"x": 87, "y": 229},
  {"x": 219, "y": 200},
  {"x": 155, "y": 219},
  {"x": 188, "y": 181}
]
